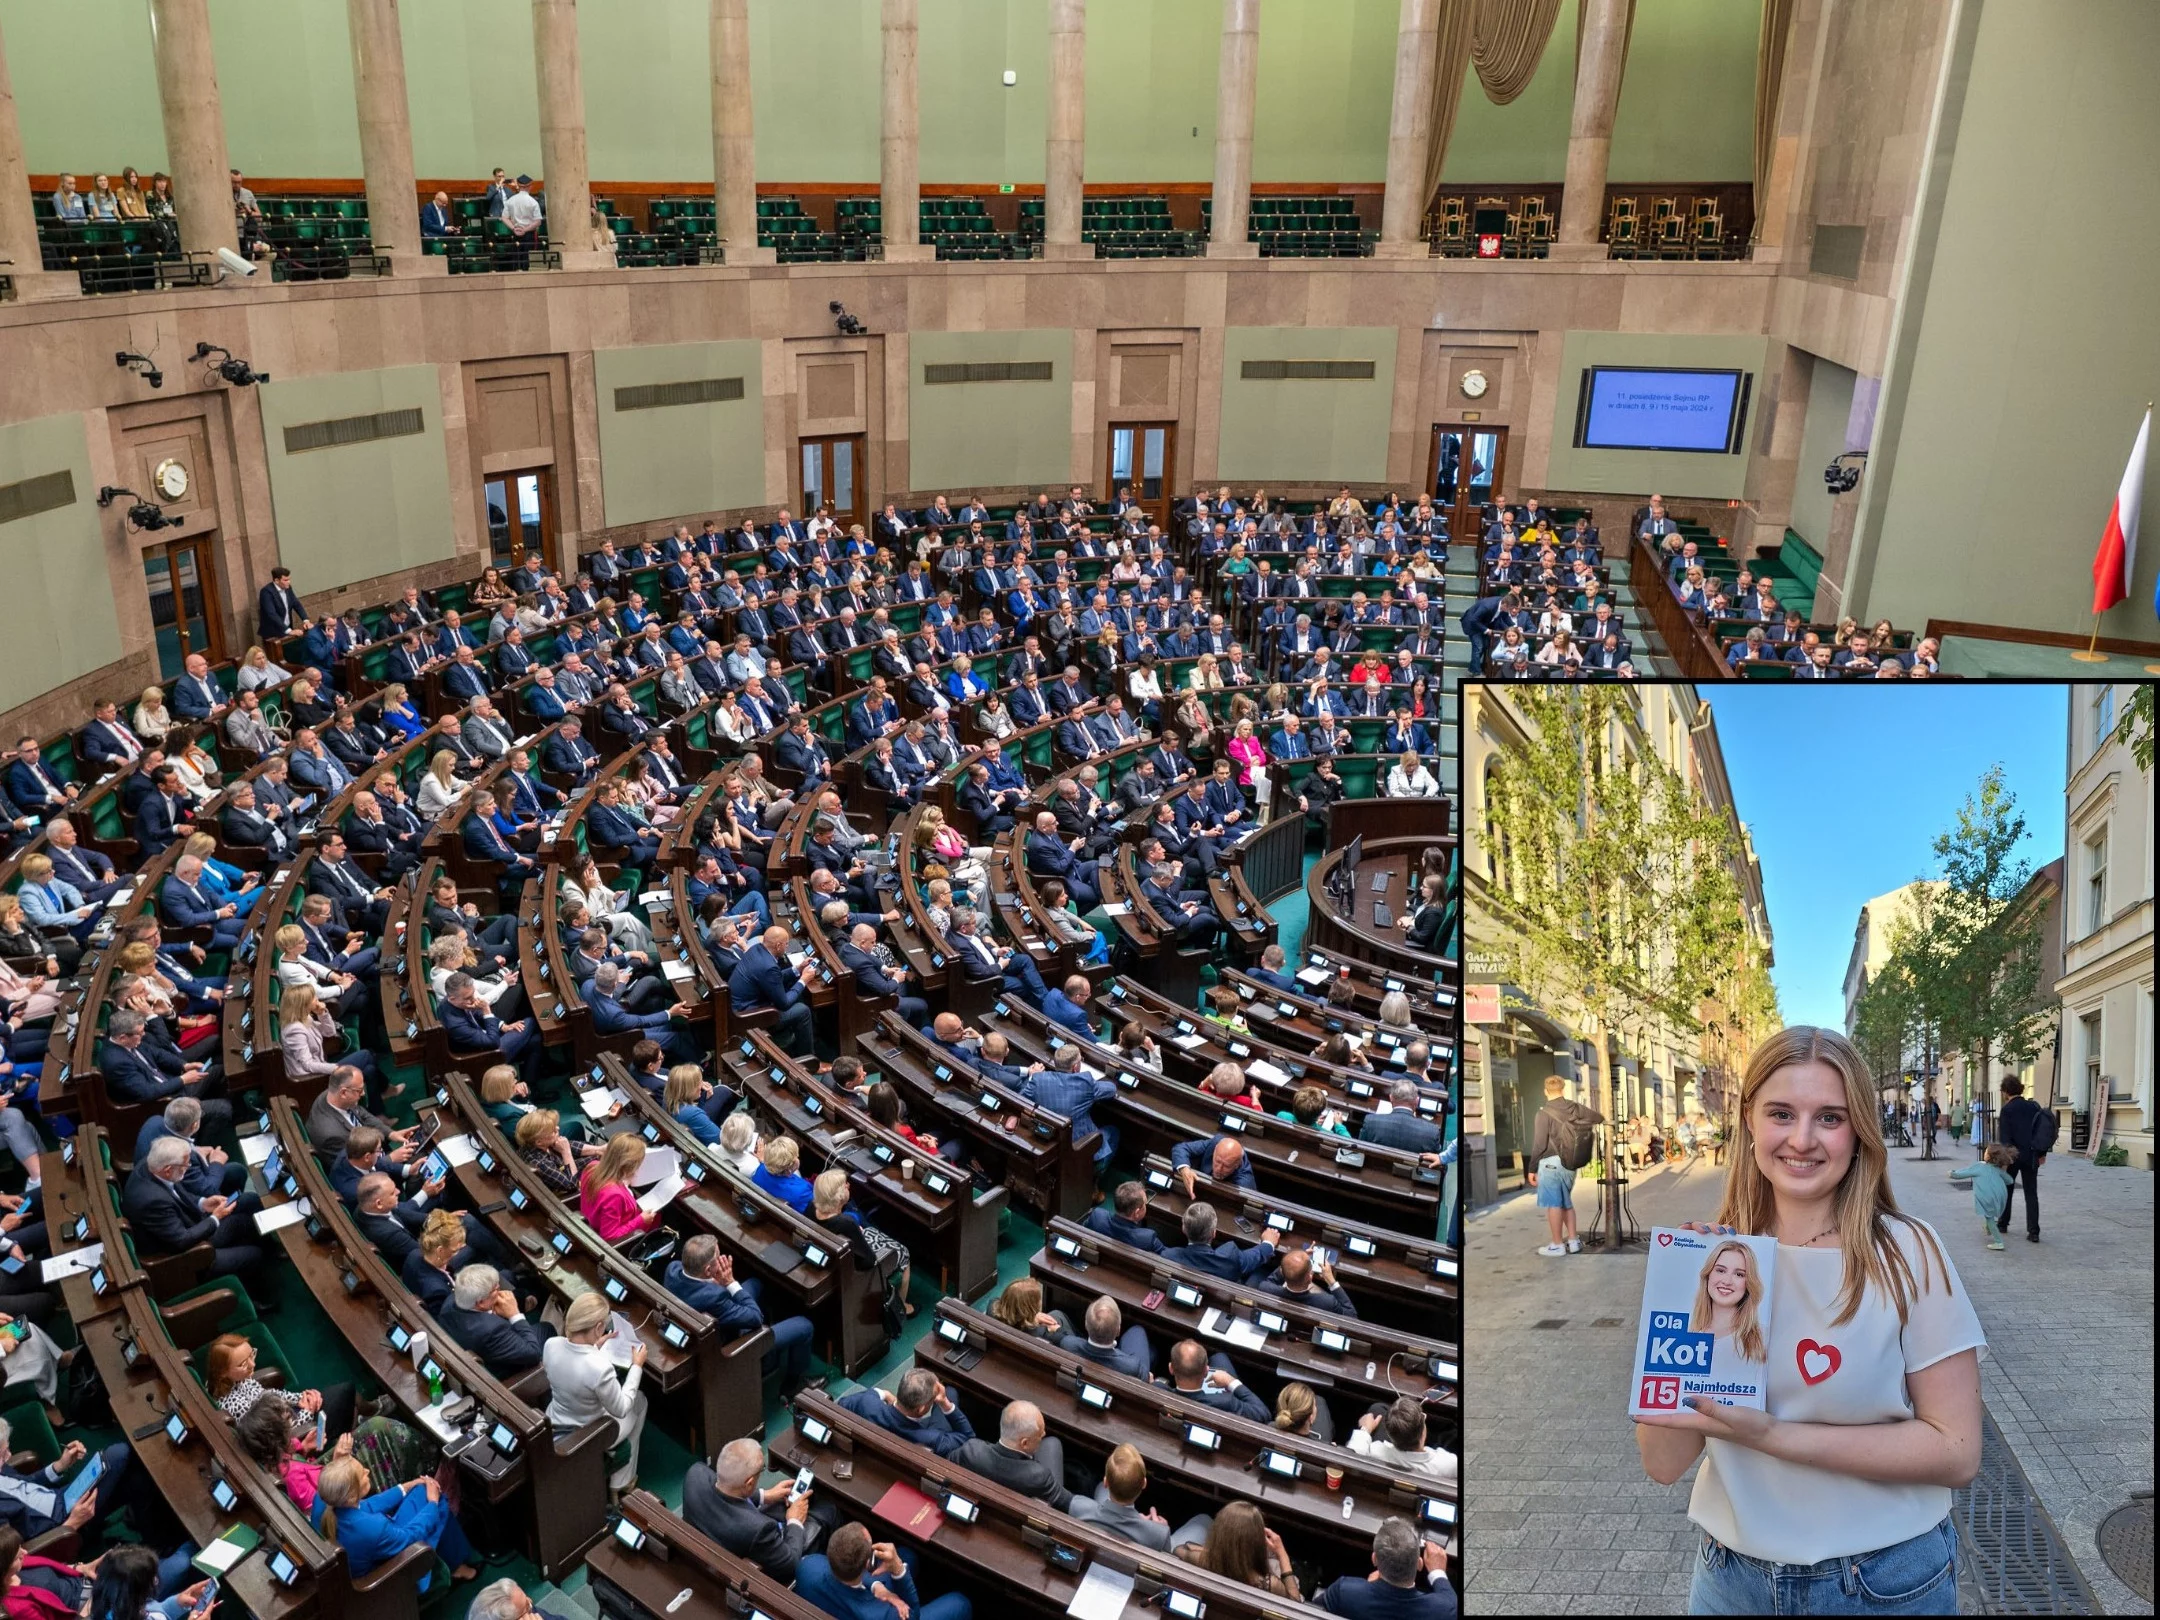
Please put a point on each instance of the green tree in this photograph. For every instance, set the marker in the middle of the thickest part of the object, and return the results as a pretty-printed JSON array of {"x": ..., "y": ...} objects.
[
  {"x": 1617, "y": 897},
  {"x": 2136, "y": 726}
]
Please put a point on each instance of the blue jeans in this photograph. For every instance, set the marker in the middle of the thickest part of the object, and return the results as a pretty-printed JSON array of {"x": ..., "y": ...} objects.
[
  {"x": 951, "y": 1606},
  {"x": 1555, "y": 1186},
  {"x": 789, "y": 1357},
  {"x": 753, "y": 904},
  {"x": 1912, "y": 1577},
  {"x": 1106, "y": 1144}
]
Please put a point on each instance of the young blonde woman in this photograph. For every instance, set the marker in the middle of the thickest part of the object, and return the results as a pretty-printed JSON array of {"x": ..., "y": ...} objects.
[
  {"x": 1836, "y": 1499},
  {"x": 439, "y": 787},
  {"x": 584, "y": 1386},
  {"x": 606, "y": 1199}
]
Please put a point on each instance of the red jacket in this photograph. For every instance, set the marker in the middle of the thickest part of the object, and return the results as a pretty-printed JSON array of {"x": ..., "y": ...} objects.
[{"x": 26, "y": 1602}]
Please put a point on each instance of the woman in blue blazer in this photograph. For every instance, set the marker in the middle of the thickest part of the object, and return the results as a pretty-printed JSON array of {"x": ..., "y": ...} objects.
[
  {"x": 376, "y": 1528},
  {"x": 398, "y": 714}
]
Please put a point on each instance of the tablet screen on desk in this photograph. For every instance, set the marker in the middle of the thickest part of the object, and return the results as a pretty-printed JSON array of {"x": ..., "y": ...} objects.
[{"x": 1185, "y": 1295}]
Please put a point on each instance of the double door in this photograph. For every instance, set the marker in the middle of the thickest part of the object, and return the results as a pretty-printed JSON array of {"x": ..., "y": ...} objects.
[
  {"x": 1467, "y": 465},
  {"x": 521, "y": 517},
  {"x": 1143, "y": 456},
  {"x": 832, "y": 475},
  {"x": 181, "y": 578}
]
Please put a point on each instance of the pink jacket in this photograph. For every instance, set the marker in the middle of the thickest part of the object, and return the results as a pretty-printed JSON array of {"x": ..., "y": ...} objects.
[
  {"x": 1250, "y": 754},
  {"x": 613, "y": 1211}
]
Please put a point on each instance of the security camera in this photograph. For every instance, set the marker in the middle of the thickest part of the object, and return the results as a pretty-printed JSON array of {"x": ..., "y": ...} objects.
[
  {"x": 141, "y": 514},
  {"x": 234, "y": 263},
  {"x": 843, "y": 322}
]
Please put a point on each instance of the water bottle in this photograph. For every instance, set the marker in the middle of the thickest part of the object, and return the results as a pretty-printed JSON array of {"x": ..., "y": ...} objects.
[
  {"x": 1349, "y": 1506},
  {"x": 434, "y": 1388}
]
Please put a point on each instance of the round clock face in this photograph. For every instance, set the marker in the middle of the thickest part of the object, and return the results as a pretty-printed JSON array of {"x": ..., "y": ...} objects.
[
  {"x": 1474, "y": 384},
  {"x": 171, "y": 479}
]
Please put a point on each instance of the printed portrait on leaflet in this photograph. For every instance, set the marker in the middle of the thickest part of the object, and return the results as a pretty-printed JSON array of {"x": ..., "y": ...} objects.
[{"x": 1725, "y": 1305}]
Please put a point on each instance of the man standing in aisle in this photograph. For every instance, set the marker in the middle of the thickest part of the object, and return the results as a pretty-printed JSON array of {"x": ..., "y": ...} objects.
[{"x": 521, "y": 212}]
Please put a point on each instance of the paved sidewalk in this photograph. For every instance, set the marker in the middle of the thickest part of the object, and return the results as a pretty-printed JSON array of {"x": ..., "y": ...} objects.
[{"x": 1559, "y": 1513}]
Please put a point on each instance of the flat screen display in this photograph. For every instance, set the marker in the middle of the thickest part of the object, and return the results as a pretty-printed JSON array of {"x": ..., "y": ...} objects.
[{"x": 1637, "y": 408}]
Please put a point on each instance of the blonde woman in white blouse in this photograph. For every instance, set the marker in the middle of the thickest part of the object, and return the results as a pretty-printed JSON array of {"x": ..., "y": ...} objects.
[
  {"x": 439, "y": 787},
  {"x": 1409, "y": 779},
  {"x": 152, "y": 719},
  {"x": 729, "y": 720},
  {"x": 625, "y": 927},
  {"x": 1205, "y": 676},
  {"x": 256, "y": 671},
  {"x": 581, "y": 1376}
]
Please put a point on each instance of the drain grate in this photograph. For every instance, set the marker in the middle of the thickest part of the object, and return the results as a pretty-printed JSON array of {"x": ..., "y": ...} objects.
[
  {"x": 2125, "y": 1538},
  {"x": 1549, "y": 1324},
  {"x": 1609, "y": 1321},
  {"x": 2016, "y": 1560}
]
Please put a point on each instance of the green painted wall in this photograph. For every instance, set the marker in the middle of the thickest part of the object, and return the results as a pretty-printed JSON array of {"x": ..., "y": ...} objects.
[
  {"x": 2016, "y": 379},
  {"x": 988, "y": 435},
  {"x": 54, "y": 562},
  {"x": 356, "y": 511},
  {"x": 1294, "y": 432},
  {"x": 671, "y": 459},
  {"x": 1822, "y": 436},
  {"x": 1713, "y": 477},
  {"x": 1326, "y": 73}
]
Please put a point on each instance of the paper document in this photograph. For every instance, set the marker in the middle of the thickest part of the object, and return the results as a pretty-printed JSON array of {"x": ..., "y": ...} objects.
[
  {"x": 1261, "y": 1069},
  {"x": 1116, "y": 908},
  {"x": 292, "y": 1214},
  {"x": 220, "y": 1556},
  {"x": 655, "y": 1199},
  {"x": 675, "y": 970},
  {"x": 1185, "y": 1043},
  {"x": 1101, "y": 1594},
  {"x": 654, "y": 897},
  {"x": 433, "y": 1418},
  {"x": 73, "y": 1263},
  {"x": 659, "y": 1163},
  {"x": 257, "y": 1148},
  {"x": 457, "y": 1150},
  {"x": 1312, "y": 976},
  {"x": 623, "y": 1339},
  {"x": 1216, "y": 1325},
  {"x": 599, "y": 1102},
  {"x": 120, "y": 898}
]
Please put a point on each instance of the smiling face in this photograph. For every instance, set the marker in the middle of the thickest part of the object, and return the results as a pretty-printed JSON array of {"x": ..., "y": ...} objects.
[
  {"x": 1802, "y": 1127},
  {"x": 1728, "y": 1279}
]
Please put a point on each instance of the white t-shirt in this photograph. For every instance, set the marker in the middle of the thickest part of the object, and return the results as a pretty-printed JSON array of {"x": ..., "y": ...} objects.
[{"x": 1792, "y": 1514}]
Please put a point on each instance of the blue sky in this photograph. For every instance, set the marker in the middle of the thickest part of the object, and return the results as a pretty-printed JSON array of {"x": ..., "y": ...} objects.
[{"x": 1845, "y": 788}]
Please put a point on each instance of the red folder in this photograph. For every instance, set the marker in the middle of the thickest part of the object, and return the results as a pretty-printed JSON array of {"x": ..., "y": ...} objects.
[{"x": 908, "y": 1509}]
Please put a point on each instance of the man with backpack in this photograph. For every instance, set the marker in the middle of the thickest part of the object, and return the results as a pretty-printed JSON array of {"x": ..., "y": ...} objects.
[
  {"x": 2026, "y": 1126},
  {"x": 1561, "y": 1143}
]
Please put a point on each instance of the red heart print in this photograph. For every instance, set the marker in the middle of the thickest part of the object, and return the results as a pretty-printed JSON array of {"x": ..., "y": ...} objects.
[
  {"x": 1827, "y": 1354},
  {"x": 1664, "y": 1238}
]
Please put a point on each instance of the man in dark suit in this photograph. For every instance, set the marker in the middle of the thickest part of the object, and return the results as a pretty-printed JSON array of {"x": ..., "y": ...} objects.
[
  {"x": 1212, "y": 1381},
  {"x": 131, "y": 1075},
  {"x": 107, "y": 742},
  {"x": 356, "y": 900},
  {"x": 919, "y": 1408},
  {"x": 762, "y": 981},
  {"x": 483, "y": 1316},
  {"x": 277, "y": 606},
  {"x": 704, "y": 1279},
  {"x": 858, "y": 953},
  {"x": 1125, "y": 1221},
  {"x": 436, "y": 218},
  {"x": 1274, "y": 970},
  {"x": 163, "y": 812},
  {"x": 165, "y": 1218},
  {"x": 91, "y": 874},
  {"x": 1025, "y": 1457},
  {"x": 1230, "y": 1260},
  {"x": 1310, "y": 1285},
  {"x": 1219, "y": 1158},
  {"x": 1401, "y": 1126},
  {"x": 722, "y": 1502},
  {"x": 1108, "y": 1342},
  {"x": 473, "y": 1029},
  {"x": 1409, "y": 1580}
]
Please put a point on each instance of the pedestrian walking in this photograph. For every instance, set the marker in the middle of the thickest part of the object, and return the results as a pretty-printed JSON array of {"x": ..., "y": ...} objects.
[
  {"x": 1960, "y": 1117},
  {"x": 2023, "y": 1124},
  {"x": 1835, "y": 1499},
  {"x": 1561, "y": 1143},
  {"x": 1685, "y": 1130},
  {"x": 1990, "y": 1177}
]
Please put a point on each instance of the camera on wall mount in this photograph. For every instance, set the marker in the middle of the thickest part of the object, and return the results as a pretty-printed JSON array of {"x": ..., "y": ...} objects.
[
  {"x": 142, "y": 365},
  {"x": 233, "y": 369},
  {"x": 142, "y": 514},
  {"x": 1842, "y": 476},
  {"x": 844, "y": 323}
]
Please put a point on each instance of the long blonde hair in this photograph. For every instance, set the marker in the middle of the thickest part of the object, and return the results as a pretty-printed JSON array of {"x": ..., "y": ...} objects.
[
  {"x": 1747, "y": 1328},
  {"x": 1865, "y": 1207},
  {"x": 618, "y": 1161}
]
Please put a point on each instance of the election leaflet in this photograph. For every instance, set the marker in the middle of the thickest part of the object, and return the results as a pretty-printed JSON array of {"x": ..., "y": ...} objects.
[{"x": 1705, "y": 1322}]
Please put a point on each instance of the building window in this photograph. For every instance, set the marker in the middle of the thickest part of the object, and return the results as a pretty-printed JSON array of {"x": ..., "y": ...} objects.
[
  {"x": 2089, "y": 1025},
  {"x": 2103, "y": 713},
  {"x": 2096, "y": 913}
]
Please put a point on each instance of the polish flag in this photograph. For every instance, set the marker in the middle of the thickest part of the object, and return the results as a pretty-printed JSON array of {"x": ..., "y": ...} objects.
[{"x": 2118, "y": 541}]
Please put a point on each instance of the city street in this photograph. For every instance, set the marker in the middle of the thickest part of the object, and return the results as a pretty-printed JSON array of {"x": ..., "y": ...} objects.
[{"x": 1559, "y": 1510}]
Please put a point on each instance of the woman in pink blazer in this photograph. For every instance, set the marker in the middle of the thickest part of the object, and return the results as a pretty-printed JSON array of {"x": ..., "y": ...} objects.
[
  {"x": 1249, "y": 753},
  {"x": 605, "y": 1199}
]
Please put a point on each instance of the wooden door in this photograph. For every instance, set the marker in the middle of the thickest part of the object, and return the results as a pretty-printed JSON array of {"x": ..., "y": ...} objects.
[
  {"x": 181, "y": 578},
  {"x": 1143, "y": 457},
  {"x": 521, "y": 517},
  {"x": 832, "y": 475},
  {"x": 1467, "y": 465}
]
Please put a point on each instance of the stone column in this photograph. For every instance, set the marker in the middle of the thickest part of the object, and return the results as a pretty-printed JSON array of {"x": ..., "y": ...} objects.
[
  {"x": 18, "y": 220},
  {"x": 1602, "y": 59},
  {"x": 386, "y": 158},
  {"x": 899, "y": 188},
  {"x": 568, "y": 198},
  {"x": 733, "y": 143},
  {"x": 1236, "y": 85},
  {"x": 194, "y": 124},
  {"x": 1063, "y": 158},
  {"x": 1417, "y": 43}
]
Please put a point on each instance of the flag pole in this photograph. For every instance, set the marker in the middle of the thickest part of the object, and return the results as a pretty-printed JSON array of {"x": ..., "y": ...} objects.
[{"x": 2092, "y": 653}]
